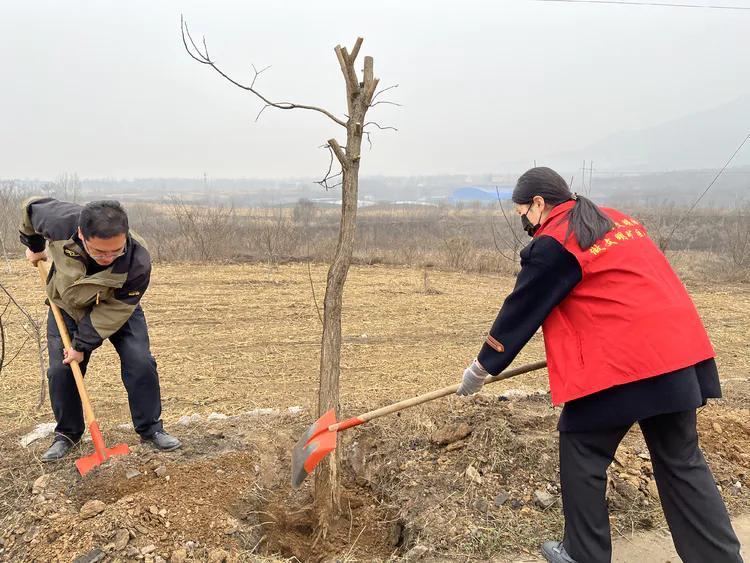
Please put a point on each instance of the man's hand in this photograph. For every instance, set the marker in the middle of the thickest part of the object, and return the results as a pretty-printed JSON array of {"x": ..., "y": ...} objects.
[
  {"x": 473, "y": 379},
  {"x": 36, "y": 257},
  {"x": 71, "y": 355}
]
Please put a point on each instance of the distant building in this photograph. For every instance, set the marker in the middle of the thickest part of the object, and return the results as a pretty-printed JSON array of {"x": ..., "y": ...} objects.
[{"x": 481, "y": 194}]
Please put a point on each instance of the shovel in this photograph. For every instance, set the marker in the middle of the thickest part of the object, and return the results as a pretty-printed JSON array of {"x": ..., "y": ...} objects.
[
  {"x": 101, "y": 452},
  {"x": 320, "y": 438}
]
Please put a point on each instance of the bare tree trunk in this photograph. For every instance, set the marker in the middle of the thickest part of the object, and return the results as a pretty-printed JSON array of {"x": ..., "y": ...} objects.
[
  {"x": 327, "y": 489},
  {"x": 359, "y": 96}
]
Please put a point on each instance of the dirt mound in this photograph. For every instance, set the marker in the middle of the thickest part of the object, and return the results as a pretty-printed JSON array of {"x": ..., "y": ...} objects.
[{"x": 458, "y": 479}]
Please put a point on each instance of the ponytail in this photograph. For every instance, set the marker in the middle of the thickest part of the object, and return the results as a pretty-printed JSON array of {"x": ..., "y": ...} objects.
[{"x": 586, "y": 221}]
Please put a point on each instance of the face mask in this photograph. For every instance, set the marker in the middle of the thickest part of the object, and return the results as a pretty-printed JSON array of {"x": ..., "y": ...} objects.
[{"x": 528, "y": 226}]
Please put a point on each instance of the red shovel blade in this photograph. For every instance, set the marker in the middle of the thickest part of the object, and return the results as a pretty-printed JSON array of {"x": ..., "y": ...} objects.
[
  {"x": 312, "y": 447},
  {"x": 101, "y": 452}
]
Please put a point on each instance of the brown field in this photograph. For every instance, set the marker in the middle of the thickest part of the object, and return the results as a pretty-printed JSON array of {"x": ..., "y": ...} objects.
[{"x": 236, "y": 337}]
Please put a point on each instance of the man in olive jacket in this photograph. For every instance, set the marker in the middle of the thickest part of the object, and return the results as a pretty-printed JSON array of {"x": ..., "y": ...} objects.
[{"x": 100, "y": 270}]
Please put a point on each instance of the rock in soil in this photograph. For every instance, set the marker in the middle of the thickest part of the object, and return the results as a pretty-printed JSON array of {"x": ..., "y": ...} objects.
[
  {"x": 450, "y": 433},
  {"x": 122, "y": 537},
  {"x": 92, "y": 508},
  {"x": 178, "y": 556},
  {"x": 501, "y": 498},
  {"x": 91, "y": 557},
  {"x": 41, "y": 484},
  {"x": 473, "y": 474},
  {"x": 217, "y": 556},
  {"x": 543, "y": 499}
]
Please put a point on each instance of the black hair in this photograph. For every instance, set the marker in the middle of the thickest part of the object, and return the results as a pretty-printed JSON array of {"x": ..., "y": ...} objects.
[
  {"x": 103, "y": 219},
  {"x": 586, "y": 220}
]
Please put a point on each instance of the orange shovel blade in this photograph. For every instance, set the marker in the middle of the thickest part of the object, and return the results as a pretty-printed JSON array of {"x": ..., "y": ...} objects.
[
  {"x": 101, "y": 452},
  {"x": 312, "y": 447}
]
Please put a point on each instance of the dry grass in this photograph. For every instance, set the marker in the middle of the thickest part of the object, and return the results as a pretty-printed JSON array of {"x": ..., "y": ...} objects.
[{"x": 229, "y": 338}]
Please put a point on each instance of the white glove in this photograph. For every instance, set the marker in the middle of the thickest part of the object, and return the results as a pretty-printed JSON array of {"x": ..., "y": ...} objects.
[{"x": 473, "y": 379}]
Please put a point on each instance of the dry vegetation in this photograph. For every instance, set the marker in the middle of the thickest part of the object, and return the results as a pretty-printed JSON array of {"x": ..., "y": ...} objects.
[
  {"x": 237, "y": 337},
  {"x": 235, "y": 328}
]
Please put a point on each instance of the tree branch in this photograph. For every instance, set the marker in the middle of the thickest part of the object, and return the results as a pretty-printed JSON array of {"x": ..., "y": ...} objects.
[
  {"x": 337, "y": 150},
  {"x": 203, "y": 58}
]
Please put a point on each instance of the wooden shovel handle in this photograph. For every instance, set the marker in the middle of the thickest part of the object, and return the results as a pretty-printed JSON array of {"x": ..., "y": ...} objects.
[
  {"x": 88, "y": 412},
  {"x": 406, "y": 403}
]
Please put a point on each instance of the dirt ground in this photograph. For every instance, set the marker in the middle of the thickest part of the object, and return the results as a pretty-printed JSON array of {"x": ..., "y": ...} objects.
[{"x": 241, "y": 342}]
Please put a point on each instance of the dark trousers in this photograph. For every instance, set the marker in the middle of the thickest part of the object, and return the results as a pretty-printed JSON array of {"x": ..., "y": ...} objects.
[
  {"x": 694, "y": 509},
  {"x": 138, "y": 371}
]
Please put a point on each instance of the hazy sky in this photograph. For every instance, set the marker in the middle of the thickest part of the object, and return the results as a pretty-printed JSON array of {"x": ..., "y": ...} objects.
[{"x": 104, "y": 88}]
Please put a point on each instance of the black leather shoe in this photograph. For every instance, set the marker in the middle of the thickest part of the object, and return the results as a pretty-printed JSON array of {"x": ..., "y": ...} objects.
[
  {"x": 163, "y": 441},
  {"x": 58, "y": 450},
  {"x": 554, "y": 552}
]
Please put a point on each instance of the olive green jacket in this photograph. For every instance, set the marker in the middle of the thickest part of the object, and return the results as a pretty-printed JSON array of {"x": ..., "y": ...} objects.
[{"x": 100, "y": 303}]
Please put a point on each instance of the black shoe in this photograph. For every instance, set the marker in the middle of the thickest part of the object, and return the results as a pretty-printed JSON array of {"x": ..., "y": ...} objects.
[
  {"x": 59, "y": 449},
  {"x": 554, "y": 552},
  {"x": 163, "y": 441}
]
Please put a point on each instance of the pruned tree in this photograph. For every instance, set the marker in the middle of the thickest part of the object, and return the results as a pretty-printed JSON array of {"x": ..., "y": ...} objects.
[
  {"x": 360, "y": 97},
  {"x": 34, "y": 331}
]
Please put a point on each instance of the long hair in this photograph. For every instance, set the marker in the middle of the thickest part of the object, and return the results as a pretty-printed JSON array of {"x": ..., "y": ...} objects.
[{"x": 586, "y": 220}]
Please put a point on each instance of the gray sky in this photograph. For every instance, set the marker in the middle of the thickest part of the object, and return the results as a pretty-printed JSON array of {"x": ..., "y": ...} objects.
[{"x": 105, "y": 89}]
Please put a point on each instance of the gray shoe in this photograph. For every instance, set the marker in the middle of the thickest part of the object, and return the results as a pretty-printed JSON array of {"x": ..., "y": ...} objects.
[
  {"x": 59, "y": 449},
  {"x": 163, "y": 441},
  {"x": 554, "y": 552}
]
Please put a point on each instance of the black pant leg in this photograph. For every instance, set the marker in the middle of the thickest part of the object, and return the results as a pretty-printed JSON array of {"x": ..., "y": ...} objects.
[
  {"x": 139, "y": 375},
  {"x": 700, "y": 526},
  {"x": 584, "y": 459},
  {"x": 63, "y": 393}
]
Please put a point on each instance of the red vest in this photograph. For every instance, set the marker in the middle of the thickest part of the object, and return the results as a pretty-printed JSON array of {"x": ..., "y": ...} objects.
[{"x": 629, "y": 318}]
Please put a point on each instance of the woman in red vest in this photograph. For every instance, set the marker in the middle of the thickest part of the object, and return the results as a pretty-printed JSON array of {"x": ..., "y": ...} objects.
[{"x": 624, "y": 344}]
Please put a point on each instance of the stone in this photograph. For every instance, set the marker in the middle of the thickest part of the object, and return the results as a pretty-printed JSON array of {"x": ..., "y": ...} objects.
[
  {"x": 481, "y": 505},
  {"x": 415, "y": 553},
  {"x": 91, "y": 557},
  {"x": 717, "y": 428},
  {"x": 653, "y": 491},
  {"x": 41, "y": 484},
  {"x": 30, "y": 534},
  {"x": 473, "y": 475},
  {"x": 501, "y": 498},
  {"x": 178, "y": 556},
  {"x": 161, "y": 471},
  {"x": 91, "y": 509},
  {"x": 626, "y": 489},
  {"x": 148, "y": 549},
  {"x": 132, "y": 473},
  {"x": 217, "y": 556},
  {"x": 543, "y": 499},
  {"x": 621, "y": 457},
  {"x": 451, "y": 433},
  {"x": 122, "y": 537}
]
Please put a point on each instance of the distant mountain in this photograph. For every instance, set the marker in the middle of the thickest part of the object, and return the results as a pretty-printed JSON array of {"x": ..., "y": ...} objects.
[{"x": 700, "y": 140}]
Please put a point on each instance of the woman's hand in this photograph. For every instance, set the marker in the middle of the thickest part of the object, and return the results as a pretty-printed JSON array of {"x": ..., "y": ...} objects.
[{"x": 473, "y": 379}]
